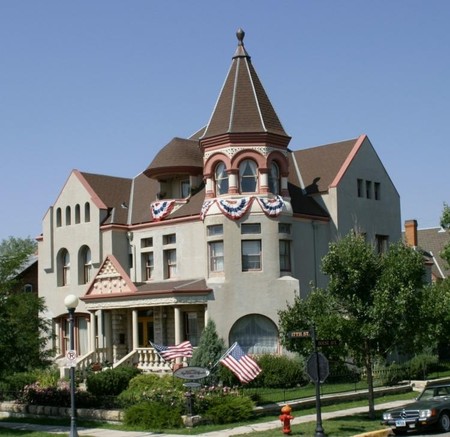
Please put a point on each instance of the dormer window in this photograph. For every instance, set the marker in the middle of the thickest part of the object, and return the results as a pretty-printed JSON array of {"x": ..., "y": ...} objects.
[
  {"x": 248, "y": 176},
  {"x": 274, "y": 179},
  {"x": 221, "y": 179}
]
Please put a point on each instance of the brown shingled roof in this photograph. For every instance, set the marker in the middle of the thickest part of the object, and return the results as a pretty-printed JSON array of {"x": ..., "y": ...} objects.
[
  {"x": 178, "y": 156},
  {"x": 243, "y": 105},
  {"x": 319, "y": 165},
  {"x": 114, "y": 193}
]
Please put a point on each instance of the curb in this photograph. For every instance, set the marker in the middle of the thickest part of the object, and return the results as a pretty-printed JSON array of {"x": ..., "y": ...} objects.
[{"x": 380, "y": 433}]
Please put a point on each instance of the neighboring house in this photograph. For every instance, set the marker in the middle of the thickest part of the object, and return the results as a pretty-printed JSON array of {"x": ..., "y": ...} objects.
[
  {"x": 431, "y": 242},
  {"x": 229, "y": 224},
  {"x": 28, "y": 275}
]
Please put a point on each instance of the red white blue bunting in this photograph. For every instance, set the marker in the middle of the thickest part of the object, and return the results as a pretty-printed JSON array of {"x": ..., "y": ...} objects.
[
  {"x": 206, "y": 205},
  {"x": 235, "y": 209},
  {"x": 271, "y": 207},
  {"x": 162, "y": 209}
]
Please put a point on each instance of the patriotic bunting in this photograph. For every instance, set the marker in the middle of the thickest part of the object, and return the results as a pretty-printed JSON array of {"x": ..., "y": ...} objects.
[
  {"x": 235, "y": 209},
  {"x": 162, "y": 209},
  {"x": 271, "y": 207},
  {"x": 240, "y": 364},
  {"x": 205, "y": 207},
  {"x": 168, "y": 353}
]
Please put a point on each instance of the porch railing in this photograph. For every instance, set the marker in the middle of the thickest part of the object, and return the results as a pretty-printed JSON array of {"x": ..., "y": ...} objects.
[{"x": 145, "y": 359}]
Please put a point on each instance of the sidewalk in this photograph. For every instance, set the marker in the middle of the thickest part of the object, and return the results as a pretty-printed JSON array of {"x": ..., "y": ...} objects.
[{"x": 246, "y": 429}]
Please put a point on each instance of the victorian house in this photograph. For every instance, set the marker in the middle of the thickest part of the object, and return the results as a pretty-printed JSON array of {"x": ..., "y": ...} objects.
[{"x": 229, "y": 224}]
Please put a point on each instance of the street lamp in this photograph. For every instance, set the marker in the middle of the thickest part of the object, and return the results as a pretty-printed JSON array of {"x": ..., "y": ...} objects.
[{"x": 71, "y": 302}]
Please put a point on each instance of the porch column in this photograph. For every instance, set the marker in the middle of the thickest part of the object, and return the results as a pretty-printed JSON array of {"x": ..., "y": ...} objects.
[
  {"x": 92, "y": 331},
  {"x": 58, "y": 337},
  {"x": 108, "y": 335},
  {"x": 206, "y": 315},
  {"x": 134, "y": 328},
  {"x": 177, "y": 317},
  {"x": 100, "y": 337}
]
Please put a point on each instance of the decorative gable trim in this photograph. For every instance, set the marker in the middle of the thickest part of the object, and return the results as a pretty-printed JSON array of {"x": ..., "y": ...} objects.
[{"x": 111, "y": 279}]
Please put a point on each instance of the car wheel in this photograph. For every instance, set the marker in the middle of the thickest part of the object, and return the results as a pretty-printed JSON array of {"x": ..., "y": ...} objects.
[
  {"x": 444, "y": 422},
  {"x": 399, "y": 431}
]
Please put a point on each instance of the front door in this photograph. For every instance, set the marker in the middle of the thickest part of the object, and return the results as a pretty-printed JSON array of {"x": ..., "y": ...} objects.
[{"x": 145, "y": 329}]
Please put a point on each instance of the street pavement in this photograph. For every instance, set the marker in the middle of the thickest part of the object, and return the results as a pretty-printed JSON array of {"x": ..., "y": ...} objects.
[{"x": 246, "y": 429}]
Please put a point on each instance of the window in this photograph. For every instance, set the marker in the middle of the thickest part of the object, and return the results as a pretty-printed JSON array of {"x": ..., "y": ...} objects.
[
  {"x": 191, "y": 328},
  {"x": 170, "y": 258},
  {"x": 274, "y": 179},
  {"x": 285, "y": 255},
  {"x": 149, "y": 266},
  {"x": 221, "y": 179},
  {"x": 256, "y": 334},
  {"x": 87, "y": 212},
  {"x": 86, "y": 265},
  {"x": 284, "y": 228},
  {"x": 251, "y": 255},
  {"x": 185, "y": 188},
  {"x": 216, "y": 256},
  {"x": 147, "y": 242},
  {"x": 63, "y": 267},
  {"x": 28, "y": 288},
  {"x": 58, "y": 218},
  {"x": 77, "y": 213},
  {"x": 360, "y": 188},
  {"x": 382, "y": 243},
  {"x": 214, "y": 230},
  {"x": 68, "y": 214},
  {"x": 376, "y": 189},
  {"x": 251, "y": 228},
  {"x": 247, "y": 176},
  {"x": 169, "y": 239},
  {"x": 369, "y": 189}
]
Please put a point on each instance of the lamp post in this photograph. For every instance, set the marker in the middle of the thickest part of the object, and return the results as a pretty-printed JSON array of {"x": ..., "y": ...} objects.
[{"x": 71, "y": 302}]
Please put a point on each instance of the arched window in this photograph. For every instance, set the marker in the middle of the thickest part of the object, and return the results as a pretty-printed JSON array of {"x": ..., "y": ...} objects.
[
  {"x": 221, "y": 179},
  {"x": 248, "y": 176},
  {"x": 274, "y": 179},
  {"x": 256, "y": 334},
  {"x": 63, "y": 264},
  {"x": 68, "y": 214},
  {"x": 77, "y": 213},
  {"x": 58, "y": 218},
  {"x": 85, "y": 265},
  {"x": 87, "y": 212}
]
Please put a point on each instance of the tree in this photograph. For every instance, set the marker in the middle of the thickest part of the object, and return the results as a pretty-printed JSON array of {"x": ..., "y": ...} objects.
[
  {"x": 23, "y": 333},
  {"x": 371, "y": 304},
  {"x": 445, "y": 223},
  {"x": 210, "y": 348}
]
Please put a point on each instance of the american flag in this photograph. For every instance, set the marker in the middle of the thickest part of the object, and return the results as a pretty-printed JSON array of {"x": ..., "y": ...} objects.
[
  {"x": 184, "y": 349},
  {"x": 240, "y": 364}
]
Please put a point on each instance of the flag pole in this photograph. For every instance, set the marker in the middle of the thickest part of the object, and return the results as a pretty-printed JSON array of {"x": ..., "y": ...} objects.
[{"x": 225, "y": 354}]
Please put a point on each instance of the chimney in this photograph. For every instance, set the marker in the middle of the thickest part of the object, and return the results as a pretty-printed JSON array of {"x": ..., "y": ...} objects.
[{"x": 411, "y": 232}]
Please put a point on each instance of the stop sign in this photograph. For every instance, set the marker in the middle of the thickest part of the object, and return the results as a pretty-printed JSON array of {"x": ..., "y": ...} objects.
[{"x": 317, "y": 367}]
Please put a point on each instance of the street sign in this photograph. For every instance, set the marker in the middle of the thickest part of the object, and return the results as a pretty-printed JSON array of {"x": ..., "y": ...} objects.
[
  {"x": 299, "y": 334},
  {"x": 71, "y": 358},
  {"x": 317, "y": 367},
  {"x": 328, "y": 342}
]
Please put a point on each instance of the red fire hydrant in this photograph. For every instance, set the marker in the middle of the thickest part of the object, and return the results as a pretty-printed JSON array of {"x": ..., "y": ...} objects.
[{"x": 286, "y": 418}]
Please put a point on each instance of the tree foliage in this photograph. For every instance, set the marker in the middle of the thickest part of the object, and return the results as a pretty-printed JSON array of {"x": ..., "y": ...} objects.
[
  {"x": 445, "y": 223},
  {"x": 23, "y": 333},
  {"x": 372, "y": 303},
  {"x": 210, "y": 347}
]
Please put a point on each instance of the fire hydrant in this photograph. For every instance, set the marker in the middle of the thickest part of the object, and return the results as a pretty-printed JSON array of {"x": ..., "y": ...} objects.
[{"x": 286, "y": 418}]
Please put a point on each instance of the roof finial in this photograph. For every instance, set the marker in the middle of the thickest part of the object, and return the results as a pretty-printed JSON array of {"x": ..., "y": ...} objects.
[{"x": 240, "y": 36}]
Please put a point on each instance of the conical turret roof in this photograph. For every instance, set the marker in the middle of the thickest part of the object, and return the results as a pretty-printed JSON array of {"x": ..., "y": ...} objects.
[{"x": 243, "y": 105}]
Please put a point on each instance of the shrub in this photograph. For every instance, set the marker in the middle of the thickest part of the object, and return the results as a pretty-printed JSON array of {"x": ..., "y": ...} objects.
[
  {"x": 280, "y": 371},
  {"x": 15, "y": 383},
  {"x": 153, "y": 415},
  {"x": 229, "y": 409},
  {"x": 150, "y": 387},
  {"x": 421, "y": 365},
  {"x": 110, "y": 382}
]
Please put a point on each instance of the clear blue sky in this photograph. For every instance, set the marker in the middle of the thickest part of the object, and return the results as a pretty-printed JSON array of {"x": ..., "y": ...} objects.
[{"x": 102, "y": 85}]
